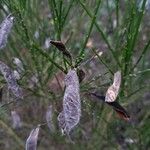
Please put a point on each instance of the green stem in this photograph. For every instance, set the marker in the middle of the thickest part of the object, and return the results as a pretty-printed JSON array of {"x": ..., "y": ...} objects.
[
  {"x": 103, "y": 62},
  {"x": 141, "y": 56},
  {"x": 117, "y": 12},
  {"x": 133, "y": 31},
  {"x": 67, "y": 12},
  {"x": 138, "y": 25},
  {"x": 101, "y": 32},
  {"x": 81, "y": 54},
  {"x": 132, "y": 40},
  {"x": 49, "y": 58},
  {"x": 12, "y": 133}
]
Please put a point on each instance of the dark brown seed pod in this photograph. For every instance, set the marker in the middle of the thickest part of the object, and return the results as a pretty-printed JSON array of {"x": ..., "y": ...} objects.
[
  {"x": 61, "y": 47},
  {"x": 116, "y": 106},
  {"x": 120, "y": 110},
  {"x": 81, "y": 75}
]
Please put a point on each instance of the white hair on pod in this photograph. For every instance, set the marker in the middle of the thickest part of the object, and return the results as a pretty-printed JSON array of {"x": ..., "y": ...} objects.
[
  {"x": 5, "y": 29},
  {"x": 71, "y": 113},
  {"x": 31, "y": 142},
  {"x": 113, "y": 90},
  {"x": 11, "y": 80}
]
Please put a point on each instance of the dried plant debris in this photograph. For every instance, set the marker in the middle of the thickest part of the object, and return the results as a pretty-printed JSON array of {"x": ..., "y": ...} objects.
[
  {"x": 5, "y": 29},
  {"x": 11, "y": 80},
  {"x": 60, "y": 46},
  {"x": 71, "y": 113},
  {"x": 113, "y": 90},
  {"x": 120, "y": 110},
  {"x": 16, "y": 121},
  {"x": 81, "y": 75},
  {"x": 1, "y": 94},
  {"x": 49, "y": 118},
  {"x": 31, "y": 143},
  {"x": 18, "y": 64},
  {"x": 116, "y": 106}
]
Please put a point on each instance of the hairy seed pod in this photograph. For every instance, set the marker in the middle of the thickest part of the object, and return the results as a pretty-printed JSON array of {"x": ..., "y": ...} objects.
[
  {"x": 113, "y": 90},
  {"x": 61, "y": 121},
  {"x": 31, "y": 143},
  {"x": 71, "y": 113},
  {"x": 11, "y": 80},
  {"x": 16, "y": 121},
  {"x": 18, "y": 64},
  {"x": 5, "y": 29},
  {"x": 17, "y": 75},
  {"x": 117, "y": 79},
  {"x": 49, "y": 118}
]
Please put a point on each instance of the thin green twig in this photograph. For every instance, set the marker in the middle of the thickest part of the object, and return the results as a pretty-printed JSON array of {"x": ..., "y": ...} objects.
[
  {"x": 117, "y": 12},
  {"x": 12, "y": 133},
  {"x": 48, "y": 57},
  {"x": 103, "y": 62},
  {"x": 101, "y": 32},
  {"x": 81, "y": 54},
  {"x": 142, "y": 54}
]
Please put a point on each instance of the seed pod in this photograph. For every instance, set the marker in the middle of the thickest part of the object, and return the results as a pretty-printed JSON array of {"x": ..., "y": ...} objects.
[
  {"x": 16, "y": 121},
  {"x": 120, "y": 110},
  {"x": 61, "y": 121},
  {"x": 17, "y": 75},
  {"x": 113, "y": 90},
  {"x": 116, "y": 106},
  {"x": 117, "y": 79},
  {"x": 5, "y": 29},
  {"x": 11, "y": 80},
  {"x": 31, "y": 143},
  {"x": 60, "y": 46},
  {"x": 19, "y": 64},
  {"x": 71, "y": 113},
  {"x": 81, "y": 75},
  {"x": 49, "y": 119}
]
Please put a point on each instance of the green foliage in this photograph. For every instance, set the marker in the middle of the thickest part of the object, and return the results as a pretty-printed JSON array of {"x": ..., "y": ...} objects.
[{"x": 119, "y": 30}]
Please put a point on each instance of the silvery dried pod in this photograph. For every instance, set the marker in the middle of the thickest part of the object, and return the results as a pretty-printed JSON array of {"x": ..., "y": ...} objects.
[
  {"x": 113, "y": 90},
  {"x": 71, "y": 113},
  {"x": 11, "y": 80},
  {"x": 5, "y": 29},
  {"x": 61, "y": 121},
  {"x": 36, "y": 34},
  {"x": 31, "y": 142},
  {"x": 47, "y": 43},
  {"x": 17, "y": 75},
  {"x": 33, "y": 81},
  {"x": 19, "y": 64},
  {"x": 16, "y": 121},
  {"x": 49, "y": 119}
]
